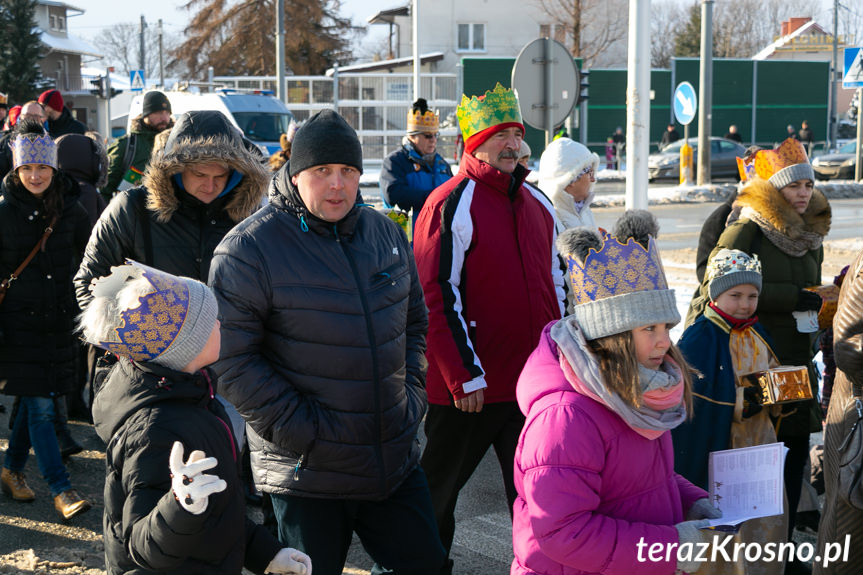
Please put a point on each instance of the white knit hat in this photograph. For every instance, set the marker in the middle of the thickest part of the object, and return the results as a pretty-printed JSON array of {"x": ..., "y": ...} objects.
[{"x": 562, "y": 162}]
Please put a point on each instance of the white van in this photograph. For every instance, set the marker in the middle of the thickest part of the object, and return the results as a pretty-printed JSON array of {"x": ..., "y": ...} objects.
[{"x": 261, "y": 117}]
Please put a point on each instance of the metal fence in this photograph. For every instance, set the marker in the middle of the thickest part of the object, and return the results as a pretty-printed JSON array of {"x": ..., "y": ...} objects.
[{"x": 375, "y": 104}]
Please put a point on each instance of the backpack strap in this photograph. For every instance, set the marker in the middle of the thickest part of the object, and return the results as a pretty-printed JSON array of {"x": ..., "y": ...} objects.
[{"x": 129, "y": 155}]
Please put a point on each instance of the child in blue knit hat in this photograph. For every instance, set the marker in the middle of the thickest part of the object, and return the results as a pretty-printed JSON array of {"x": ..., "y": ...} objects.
[{"x": 724, "y": 344}]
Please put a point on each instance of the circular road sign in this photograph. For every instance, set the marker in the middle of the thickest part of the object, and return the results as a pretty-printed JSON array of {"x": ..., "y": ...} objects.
[
  {"x": 528, "y": 81},
  {"x": 685, "y": 103}
]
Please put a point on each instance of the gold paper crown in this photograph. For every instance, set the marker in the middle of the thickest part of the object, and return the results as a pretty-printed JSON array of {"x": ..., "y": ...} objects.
[
  {"x": 498, "y": 106},
  {"x": 3, "y": 98},
  {"x": 616, "y": 269},
  {"x": 789, "y": 153},
  {"x": 746, "y": 168},
  {"x": 428, "y": 122}
]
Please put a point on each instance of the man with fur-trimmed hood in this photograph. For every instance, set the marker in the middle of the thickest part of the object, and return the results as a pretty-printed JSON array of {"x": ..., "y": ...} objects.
[
  {"x": 129, "y": 155},
  {"x": 202, "y": 184}
]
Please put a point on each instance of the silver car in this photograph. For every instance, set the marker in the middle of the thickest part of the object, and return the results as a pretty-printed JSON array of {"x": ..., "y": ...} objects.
[
  {"x": 839, "y": 165},
  {"x": 665, "y": 164}
]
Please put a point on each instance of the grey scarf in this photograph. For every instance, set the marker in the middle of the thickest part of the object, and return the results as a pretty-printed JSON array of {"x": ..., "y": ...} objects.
[{"x": 572, "y": 344}]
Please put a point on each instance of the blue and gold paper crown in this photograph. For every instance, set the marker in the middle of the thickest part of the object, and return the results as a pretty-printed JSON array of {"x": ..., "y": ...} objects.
[
  {"x": 33, "y": 149},
  {"x": 619, "y": 287},
  {"x": 616, "y": 269},
  {"x": 147, "y": 330},
  {"x": 161, "y": 318},
  {"x": 498, "y": 106}
]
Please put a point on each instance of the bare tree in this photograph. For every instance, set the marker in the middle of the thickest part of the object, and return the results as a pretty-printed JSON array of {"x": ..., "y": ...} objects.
[
  {"x": 666, "y": 24},
  {"x": 590, "y": 28},
  {"x": 120, "y": 45}
]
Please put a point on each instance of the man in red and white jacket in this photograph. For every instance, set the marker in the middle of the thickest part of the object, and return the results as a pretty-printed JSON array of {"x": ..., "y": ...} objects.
[{"x": 492, "y": 277}]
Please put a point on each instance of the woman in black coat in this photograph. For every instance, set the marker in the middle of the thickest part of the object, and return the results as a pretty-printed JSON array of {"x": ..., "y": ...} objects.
[{"x": 37, "y": 345}]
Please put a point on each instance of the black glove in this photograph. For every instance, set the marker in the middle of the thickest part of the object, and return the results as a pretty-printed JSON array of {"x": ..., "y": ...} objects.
[
  {"x": 751, "y": 401},
  {"x": 808, "y": 300}
]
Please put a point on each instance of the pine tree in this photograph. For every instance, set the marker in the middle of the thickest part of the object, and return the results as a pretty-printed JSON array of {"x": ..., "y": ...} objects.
[
  {"x": 20, "y": 50},
  {"x": 238, "y": 38},
  {"x": 688, "y": 43}
]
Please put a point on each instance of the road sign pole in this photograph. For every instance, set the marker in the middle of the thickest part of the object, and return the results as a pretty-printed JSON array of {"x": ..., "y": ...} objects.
[
  {"x": 548, "y": 100},
  {"x": 705, "y": 90},
  {"x": 686, "y": 159},
  {"x": 858, "y": 174}
]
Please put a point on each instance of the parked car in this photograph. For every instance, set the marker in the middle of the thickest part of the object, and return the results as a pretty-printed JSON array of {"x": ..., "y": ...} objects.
[
  {"x": 837, "y": 166},
  {"x": 665, "y": 164}
]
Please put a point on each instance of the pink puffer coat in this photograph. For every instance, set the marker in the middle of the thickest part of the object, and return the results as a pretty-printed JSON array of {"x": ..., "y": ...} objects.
[{"x": 589, "y": 487}]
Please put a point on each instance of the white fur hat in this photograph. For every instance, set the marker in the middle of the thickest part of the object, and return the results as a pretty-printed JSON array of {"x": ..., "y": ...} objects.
[{"x": 562, "y": 162}]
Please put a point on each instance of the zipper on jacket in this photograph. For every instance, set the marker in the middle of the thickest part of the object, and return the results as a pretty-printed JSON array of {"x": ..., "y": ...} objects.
[{"x": 375, "y": 368}]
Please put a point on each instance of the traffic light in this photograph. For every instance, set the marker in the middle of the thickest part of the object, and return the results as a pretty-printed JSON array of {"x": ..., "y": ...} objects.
[
  {"x": 99, "y": 87},
  {"x": 115, "y": 91},
  {"x": 583, "y": 86}
]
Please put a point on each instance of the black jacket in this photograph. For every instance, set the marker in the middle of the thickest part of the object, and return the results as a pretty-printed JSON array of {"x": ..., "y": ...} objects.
[
  {"x": 65, "y": 124},
  {"x": 183, "y": 231},
  {"x": 140, "y": 412},
  {"x": 323, "y": 343},
  {"x": 37, "y": 346}
]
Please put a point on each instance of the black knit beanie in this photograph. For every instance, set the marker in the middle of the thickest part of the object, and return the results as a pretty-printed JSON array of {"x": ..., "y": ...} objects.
[
  {"x": 325, "y": 138},
  {"x": 155, "y": 101}
]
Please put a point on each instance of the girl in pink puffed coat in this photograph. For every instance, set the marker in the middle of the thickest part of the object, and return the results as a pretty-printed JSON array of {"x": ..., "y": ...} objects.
[{"x": 594, "y": 466}]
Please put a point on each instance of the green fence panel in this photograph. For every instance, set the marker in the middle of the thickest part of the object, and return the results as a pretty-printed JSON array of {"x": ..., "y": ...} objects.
[{"x": 788, "y": 92}]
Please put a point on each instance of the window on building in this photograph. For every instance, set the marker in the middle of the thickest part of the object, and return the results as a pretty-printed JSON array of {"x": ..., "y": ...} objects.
[
  {"x": 57, "y": 22},
  {"x": 471, "y": 37}
]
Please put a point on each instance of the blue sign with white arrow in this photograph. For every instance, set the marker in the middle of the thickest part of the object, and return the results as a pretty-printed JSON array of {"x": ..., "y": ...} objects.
[{"x": 685, "y": 103}]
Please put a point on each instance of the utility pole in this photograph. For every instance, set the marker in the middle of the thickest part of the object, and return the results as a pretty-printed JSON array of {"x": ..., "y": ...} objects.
[
  {"x": 141, "y": 54},
  {"x": 637, "y": 104},
  {"x": 834, "y": 117},
  {"x": 280, "y": 51},
  {"x": 415, "y": 19},
  {"x": 161, "y": 58},
  {"x": 705, "y": 92}
]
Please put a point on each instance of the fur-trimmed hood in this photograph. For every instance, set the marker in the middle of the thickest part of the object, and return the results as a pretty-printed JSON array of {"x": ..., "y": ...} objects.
[
  {"x": 201, "y": 137},
  {"x": 769, "y": 202}
]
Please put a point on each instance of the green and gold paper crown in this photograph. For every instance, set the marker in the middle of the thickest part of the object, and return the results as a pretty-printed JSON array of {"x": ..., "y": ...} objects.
[{"x": 498, "y": 106}]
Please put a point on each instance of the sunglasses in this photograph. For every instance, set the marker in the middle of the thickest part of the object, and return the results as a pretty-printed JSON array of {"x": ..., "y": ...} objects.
[{"x": 428, "y": 136}]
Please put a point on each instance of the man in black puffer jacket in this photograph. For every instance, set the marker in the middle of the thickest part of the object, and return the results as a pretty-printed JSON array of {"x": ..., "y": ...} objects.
[
  {"x": 323, "y": 331},
  {"x": 203, "y": 183}
]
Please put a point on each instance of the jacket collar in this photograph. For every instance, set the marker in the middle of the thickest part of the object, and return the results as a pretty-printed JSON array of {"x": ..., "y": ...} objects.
[
  {"x": 284, "y": 195},
  {"x": 491, "y": 177},
  {"x": 131, "y": 386}
]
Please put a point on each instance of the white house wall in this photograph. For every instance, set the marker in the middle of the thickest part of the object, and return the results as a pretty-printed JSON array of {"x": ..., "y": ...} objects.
[{"x": 510, "y": 24}]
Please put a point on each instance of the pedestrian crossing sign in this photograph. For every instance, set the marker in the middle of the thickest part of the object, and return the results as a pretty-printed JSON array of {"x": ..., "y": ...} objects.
[
  {"x": 853, "y": 75},
  {"x": 136, "y": 81}
]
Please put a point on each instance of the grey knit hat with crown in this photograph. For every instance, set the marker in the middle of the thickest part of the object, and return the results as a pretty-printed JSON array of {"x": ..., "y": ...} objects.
[
  {"x": 729, "y": 268},
  {"x": 149, "y": 315}
]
